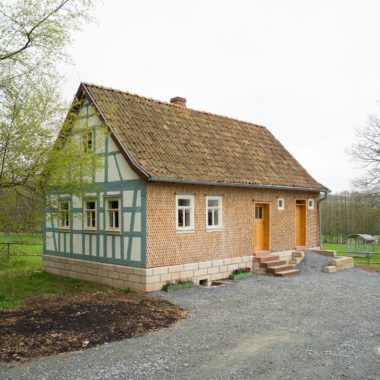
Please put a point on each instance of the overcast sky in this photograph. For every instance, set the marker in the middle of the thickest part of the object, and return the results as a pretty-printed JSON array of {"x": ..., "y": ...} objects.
[{"x": 307, "y": 70}]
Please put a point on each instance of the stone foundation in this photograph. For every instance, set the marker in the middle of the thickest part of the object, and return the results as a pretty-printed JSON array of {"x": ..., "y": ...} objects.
[{"x": 142, "y": 279}]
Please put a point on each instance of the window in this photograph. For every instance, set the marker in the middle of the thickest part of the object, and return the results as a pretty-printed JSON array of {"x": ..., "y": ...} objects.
[
  {"x": 280, "y": 204},
  {"x": 113, "y": 214},
  {"x": 90, "y": 214},
  {"x": 64, "y": 214},
  {"x": 310, "y": 204},
  {"x": 88, "y": 141},
  {"x": 185, "y": 212},
  {"x": 258, "y": 212},
  {"x": 213, "y": 212}
]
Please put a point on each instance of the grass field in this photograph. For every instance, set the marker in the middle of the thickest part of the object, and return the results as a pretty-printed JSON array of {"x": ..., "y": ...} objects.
[
  {"x": 341, "y": 251},
  {"x": 21, "y": 277}
]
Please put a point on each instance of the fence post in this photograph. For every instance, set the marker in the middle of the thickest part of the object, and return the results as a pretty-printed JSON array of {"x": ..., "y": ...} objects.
[{"x": 8, "y": 252}]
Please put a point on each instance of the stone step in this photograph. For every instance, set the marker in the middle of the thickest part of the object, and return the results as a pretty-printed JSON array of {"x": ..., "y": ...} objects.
[
  {"x": 279, "y": 268},
  {"x": 300, "y": 254},
  {"x": 266, "y": 259},
  {"x": 287, "y": 273},
  {"x": 272, "y": 263}
]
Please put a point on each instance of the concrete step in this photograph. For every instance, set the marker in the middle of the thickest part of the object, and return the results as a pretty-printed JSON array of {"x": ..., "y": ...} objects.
[
  {"x": 279, "y": 268},
  {"x": 300, "y": 254},
  {"x": 272, "y": 263},
  {"x": 266, "y": 259},
  {"x": 287, "y": 273}
]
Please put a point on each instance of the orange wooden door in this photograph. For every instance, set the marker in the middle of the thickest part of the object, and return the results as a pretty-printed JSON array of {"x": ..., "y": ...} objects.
[
  {"x": 300, "y": 225},
  {"x": 261, "y": 239}
]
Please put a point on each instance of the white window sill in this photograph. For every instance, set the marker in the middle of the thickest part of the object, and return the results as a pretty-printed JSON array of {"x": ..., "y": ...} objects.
[
  {"x": 214, "y": 229},
  {"x": 112, "y": 232},
  {"x": 89, "y": 230},
  {"x": 64, "y": 229},
  {"x": 189, "y": 231}
]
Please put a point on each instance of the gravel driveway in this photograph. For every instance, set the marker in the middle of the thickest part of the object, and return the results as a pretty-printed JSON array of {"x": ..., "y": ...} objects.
[{"x": 313, "y": 326}]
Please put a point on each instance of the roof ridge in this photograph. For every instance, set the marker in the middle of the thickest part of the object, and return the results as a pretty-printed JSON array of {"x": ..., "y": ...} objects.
[{"x": 171, "y": 104}]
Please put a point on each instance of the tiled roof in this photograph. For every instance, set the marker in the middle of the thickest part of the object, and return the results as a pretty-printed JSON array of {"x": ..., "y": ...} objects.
[{"x": 167, "y": 142}]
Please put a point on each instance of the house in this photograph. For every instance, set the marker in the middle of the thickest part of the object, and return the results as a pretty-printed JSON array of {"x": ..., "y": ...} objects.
[{"x": 183, "y": 193}]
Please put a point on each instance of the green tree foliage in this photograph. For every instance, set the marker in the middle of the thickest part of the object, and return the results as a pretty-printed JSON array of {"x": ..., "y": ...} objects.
[
  {"x": 35, "y": 157},
  {"x": 349, "y": 213}
]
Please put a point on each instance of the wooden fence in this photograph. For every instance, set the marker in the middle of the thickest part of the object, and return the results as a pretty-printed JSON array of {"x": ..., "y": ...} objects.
[{"x": 18, "y": 249}]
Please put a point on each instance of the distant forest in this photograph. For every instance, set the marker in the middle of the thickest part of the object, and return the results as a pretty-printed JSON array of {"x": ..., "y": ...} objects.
[{"x": 349, "y": 213}]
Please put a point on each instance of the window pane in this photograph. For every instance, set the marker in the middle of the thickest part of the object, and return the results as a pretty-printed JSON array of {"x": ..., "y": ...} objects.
[
  {"x": 183, "y": 202},
  {"x": 216, "y": 218},
  {"x": 212, "y": 202},
  {"x": 209, "y": 218},
  {"x": 180, "y": 218},
  {"x": 90, "y": 205},
  {"x": 187, "y": 218},
  {"x": 116, "y": 219},
  {"x": 113, "y": 205},
  {"x": 64, "y": 205}
]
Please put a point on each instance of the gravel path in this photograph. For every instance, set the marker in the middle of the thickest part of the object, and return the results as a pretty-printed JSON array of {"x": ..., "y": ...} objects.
[{"x": 313, "y": 326}]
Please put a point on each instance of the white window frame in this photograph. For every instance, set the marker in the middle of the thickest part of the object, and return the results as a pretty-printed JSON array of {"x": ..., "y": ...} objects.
[
  {"x": 107, "y": 212},
  {"x": 191, "y": 208},
  {"x": 218, "y": 208},
  {"x": 281, "y": 207},
  {"x": 310, "y": 203},
  {"x": 66, "y": 221},
  {"x": 87, "y": 210}
]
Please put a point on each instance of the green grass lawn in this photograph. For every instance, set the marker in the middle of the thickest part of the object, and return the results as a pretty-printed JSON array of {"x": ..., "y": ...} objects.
[
  {"x": 341, "y": 251},
  {"x": 30, "y": 243},
  {"x": 21, "y": 277}
]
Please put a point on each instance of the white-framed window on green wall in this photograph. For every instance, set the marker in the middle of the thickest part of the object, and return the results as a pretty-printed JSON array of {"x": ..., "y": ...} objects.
[
  {"x": 113, "y": 214},
  {"x": 90, "y": 214},
  {"x": 64, "y": 214}
]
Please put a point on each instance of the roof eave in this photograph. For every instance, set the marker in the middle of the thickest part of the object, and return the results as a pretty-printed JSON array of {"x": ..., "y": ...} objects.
[{"x": 235, "y": 184}]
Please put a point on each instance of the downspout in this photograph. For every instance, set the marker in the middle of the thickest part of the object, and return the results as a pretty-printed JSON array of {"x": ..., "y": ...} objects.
[{"x": 320, "y": 219}]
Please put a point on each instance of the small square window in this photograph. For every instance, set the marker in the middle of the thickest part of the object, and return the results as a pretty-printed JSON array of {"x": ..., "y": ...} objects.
[
  {"x": 213, "y": 212},
  {"x": 184, "y": 212},
  {"x": 310, "y": 204},
  {"x": 280, "y": 204},
  {"x": 88, "y": 141}
]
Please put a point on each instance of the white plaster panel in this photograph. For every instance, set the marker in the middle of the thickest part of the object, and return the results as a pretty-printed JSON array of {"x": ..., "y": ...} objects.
[
  {"x": 127, "y": 198},
  {"x": 100, "y": 175},
  {"x": 86, "y": 245},
  {"x": 112, "y": 146},
  {"x": 126, "y": 240},
  {"x": 127, "y": 221},
  {"x": 48, "y": 221},
  {"x": 67, "y": 237},
  {"x": 99, "y": 140},
  {"x": 77, "y": 221},
  {"x": 101, "y": 220},
  {"x": 77, "y": 243},
  {"x": 61, "y": 241},
  {"x": 93, "y": 120},
  {"x": 49, "y": 241},
  {"x": 113, "y": 174},
  {"x": 126, "y": 172},
  {"x": 101, "y": 246},
  {"x": 137, "y": 226},
  {"x": 109, "y": 246},
  {"x": 138, "y": 198},
  {"x": 77, "y": 202},
  {"x": 136, "y": 249},
  {"x": 117, "y": 247}
]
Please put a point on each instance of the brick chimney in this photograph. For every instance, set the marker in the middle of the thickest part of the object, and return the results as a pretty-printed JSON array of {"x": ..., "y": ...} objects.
[{"x": 178, "y": 101}]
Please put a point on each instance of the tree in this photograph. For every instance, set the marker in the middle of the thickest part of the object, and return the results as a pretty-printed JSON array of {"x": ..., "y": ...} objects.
[
  {"x": 34, "y": 36},
  {"x": 367, "y": 152}
]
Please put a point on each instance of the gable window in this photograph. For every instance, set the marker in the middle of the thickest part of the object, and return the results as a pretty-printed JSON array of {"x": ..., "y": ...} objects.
[
  {"x": 64, "y": 214},
  {"x": 184, "y": 212},
  {"x": 280, "y": 204},
  {"x": 88, "y": 141},
  {"x": 310, "y": 204},
  {"x": 113, "y": 214},
  {"x": 90, "y": 214},
  {"x": 213, "y": 212}
]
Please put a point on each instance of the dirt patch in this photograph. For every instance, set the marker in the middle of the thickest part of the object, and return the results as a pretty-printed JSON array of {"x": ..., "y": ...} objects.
[
  {"x": 56, "y": 324},
  {"x": 368, "y": 268}
]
